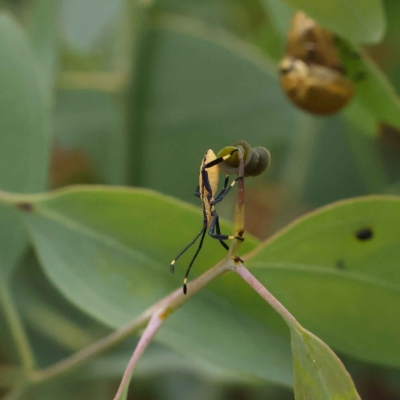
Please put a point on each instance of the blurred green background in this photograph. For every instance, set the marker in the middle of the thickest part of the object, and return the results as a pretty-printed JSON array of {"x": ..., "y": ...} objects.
[{"x": 138, "y": 90}]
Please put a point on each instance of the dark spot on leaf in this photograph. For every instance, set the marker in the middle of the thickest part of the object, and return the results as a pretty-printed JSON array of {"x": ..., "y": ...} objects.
[
  {"x": 364, "y": 234},
  {"x": 340, "y": 264},
  {"x": 24, "y": 206}
]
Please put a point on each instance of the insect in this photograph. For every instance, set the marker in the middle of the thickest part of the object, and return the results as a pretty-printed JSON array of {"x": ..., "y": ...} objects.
[
  {"x": 311, "y": 73},
  {"x": 255, "y": 161},
  {"x": 206, "y": 190}
]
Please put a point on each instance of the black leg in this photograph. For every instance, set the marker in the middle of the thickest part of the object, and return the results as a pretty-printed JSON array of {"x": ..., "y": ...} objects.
[
  {"x": 187, "y": 247},
  {"x": 206, "y": 182},
  {"x": 224, "y": 245},
  {"x": 191, "y": 262},
  {"x": 221, "y": 193},
  {"x": 221, "y": 196},
  {"x": 218, "y": 236},
  {"x": 197, "y": 191},
  {"x": 218, "y": 160}
]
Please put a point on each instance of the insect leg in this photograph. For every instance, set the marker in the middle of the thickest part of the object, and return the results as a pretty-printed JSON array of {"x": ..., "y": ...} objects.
[
  {"x": 218, "y": 160},
  {"x": 216, "y": 218},
  {"x": 206, "y": 182},
  {"x": 187, "y": 247},
  {"x": 223, "y": 193},
  {"x": 204, "y": 173},
  {"x": 197, "y": 191},
  {"x": 218, "y": 236},
  {"x": 191, "y": 262},
  {"x": 223, "y": 188},
  {"x": 219, "y": 232}
]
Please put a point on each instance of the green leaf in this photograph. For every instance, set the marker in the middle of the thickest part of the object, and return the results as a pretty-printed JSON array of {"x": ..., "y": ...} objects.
[
  {"x": 318, "y": 372},
  {"x": 65, "y": 389},
  {"x": 56, "y": 328},
  {"x": 337, "y": 271},
  {"x": 280, "y": 15},
  {"x": 367, "y": 159},
  {"x": 359, "y": 21},
  {"x": 75, "y": 15},
  {"x": 24, "y": 139},
  {"x": 109, "y": 250},
  {"x": 40, "y": 20},
  {"x": 375, "y": 98},
  {"x": 374, "y": 91},
  {"x": 154, "y": 361}
]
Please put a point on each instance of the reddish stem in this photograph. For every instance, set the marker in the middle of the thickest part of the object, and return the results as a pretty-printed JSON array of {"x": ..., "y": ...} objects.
[
  {"x": 152, "y": 328},
  {"x": 265, "y": 294}
]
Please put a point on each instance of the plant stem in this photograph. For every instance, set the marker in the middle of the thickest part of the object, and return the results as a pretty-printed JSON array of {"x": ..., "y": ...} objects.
[
  {"x": 16, "y": 392},
  {"x": 238, "y": 224},
  {"x": 168, "y": 303},
  {"x": 17, "y": 329},
  {"x": 88, "y": 352},
  {"x": 9, "y": 376},
  {"x": 110, "y": 82},
  {"x": 152, "y": 328},
  {"x": 265, "y": 294}
]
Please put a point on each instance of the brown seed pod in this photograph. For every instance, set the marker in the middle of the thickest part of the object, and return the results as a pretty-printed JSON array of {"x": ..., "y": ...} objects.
[
  {"x": 311, "y": 43},
  {"x": 256, "y": 160},
  {"x": 311, "y": 73},
  {"x": 314, "y": 88}
]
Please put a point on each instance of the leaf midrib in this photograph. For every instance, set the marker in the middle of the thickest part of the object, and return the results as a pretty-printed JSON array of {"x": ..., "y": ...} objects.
[
  {"x": 324, "y": 270},
  {"x": 75, "y": 226}
]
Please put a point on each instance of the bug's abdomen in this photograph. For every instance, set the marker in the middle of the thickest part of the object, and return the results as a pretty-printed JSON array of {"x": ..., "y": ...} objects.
[{"x": 213, "y": 177}]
